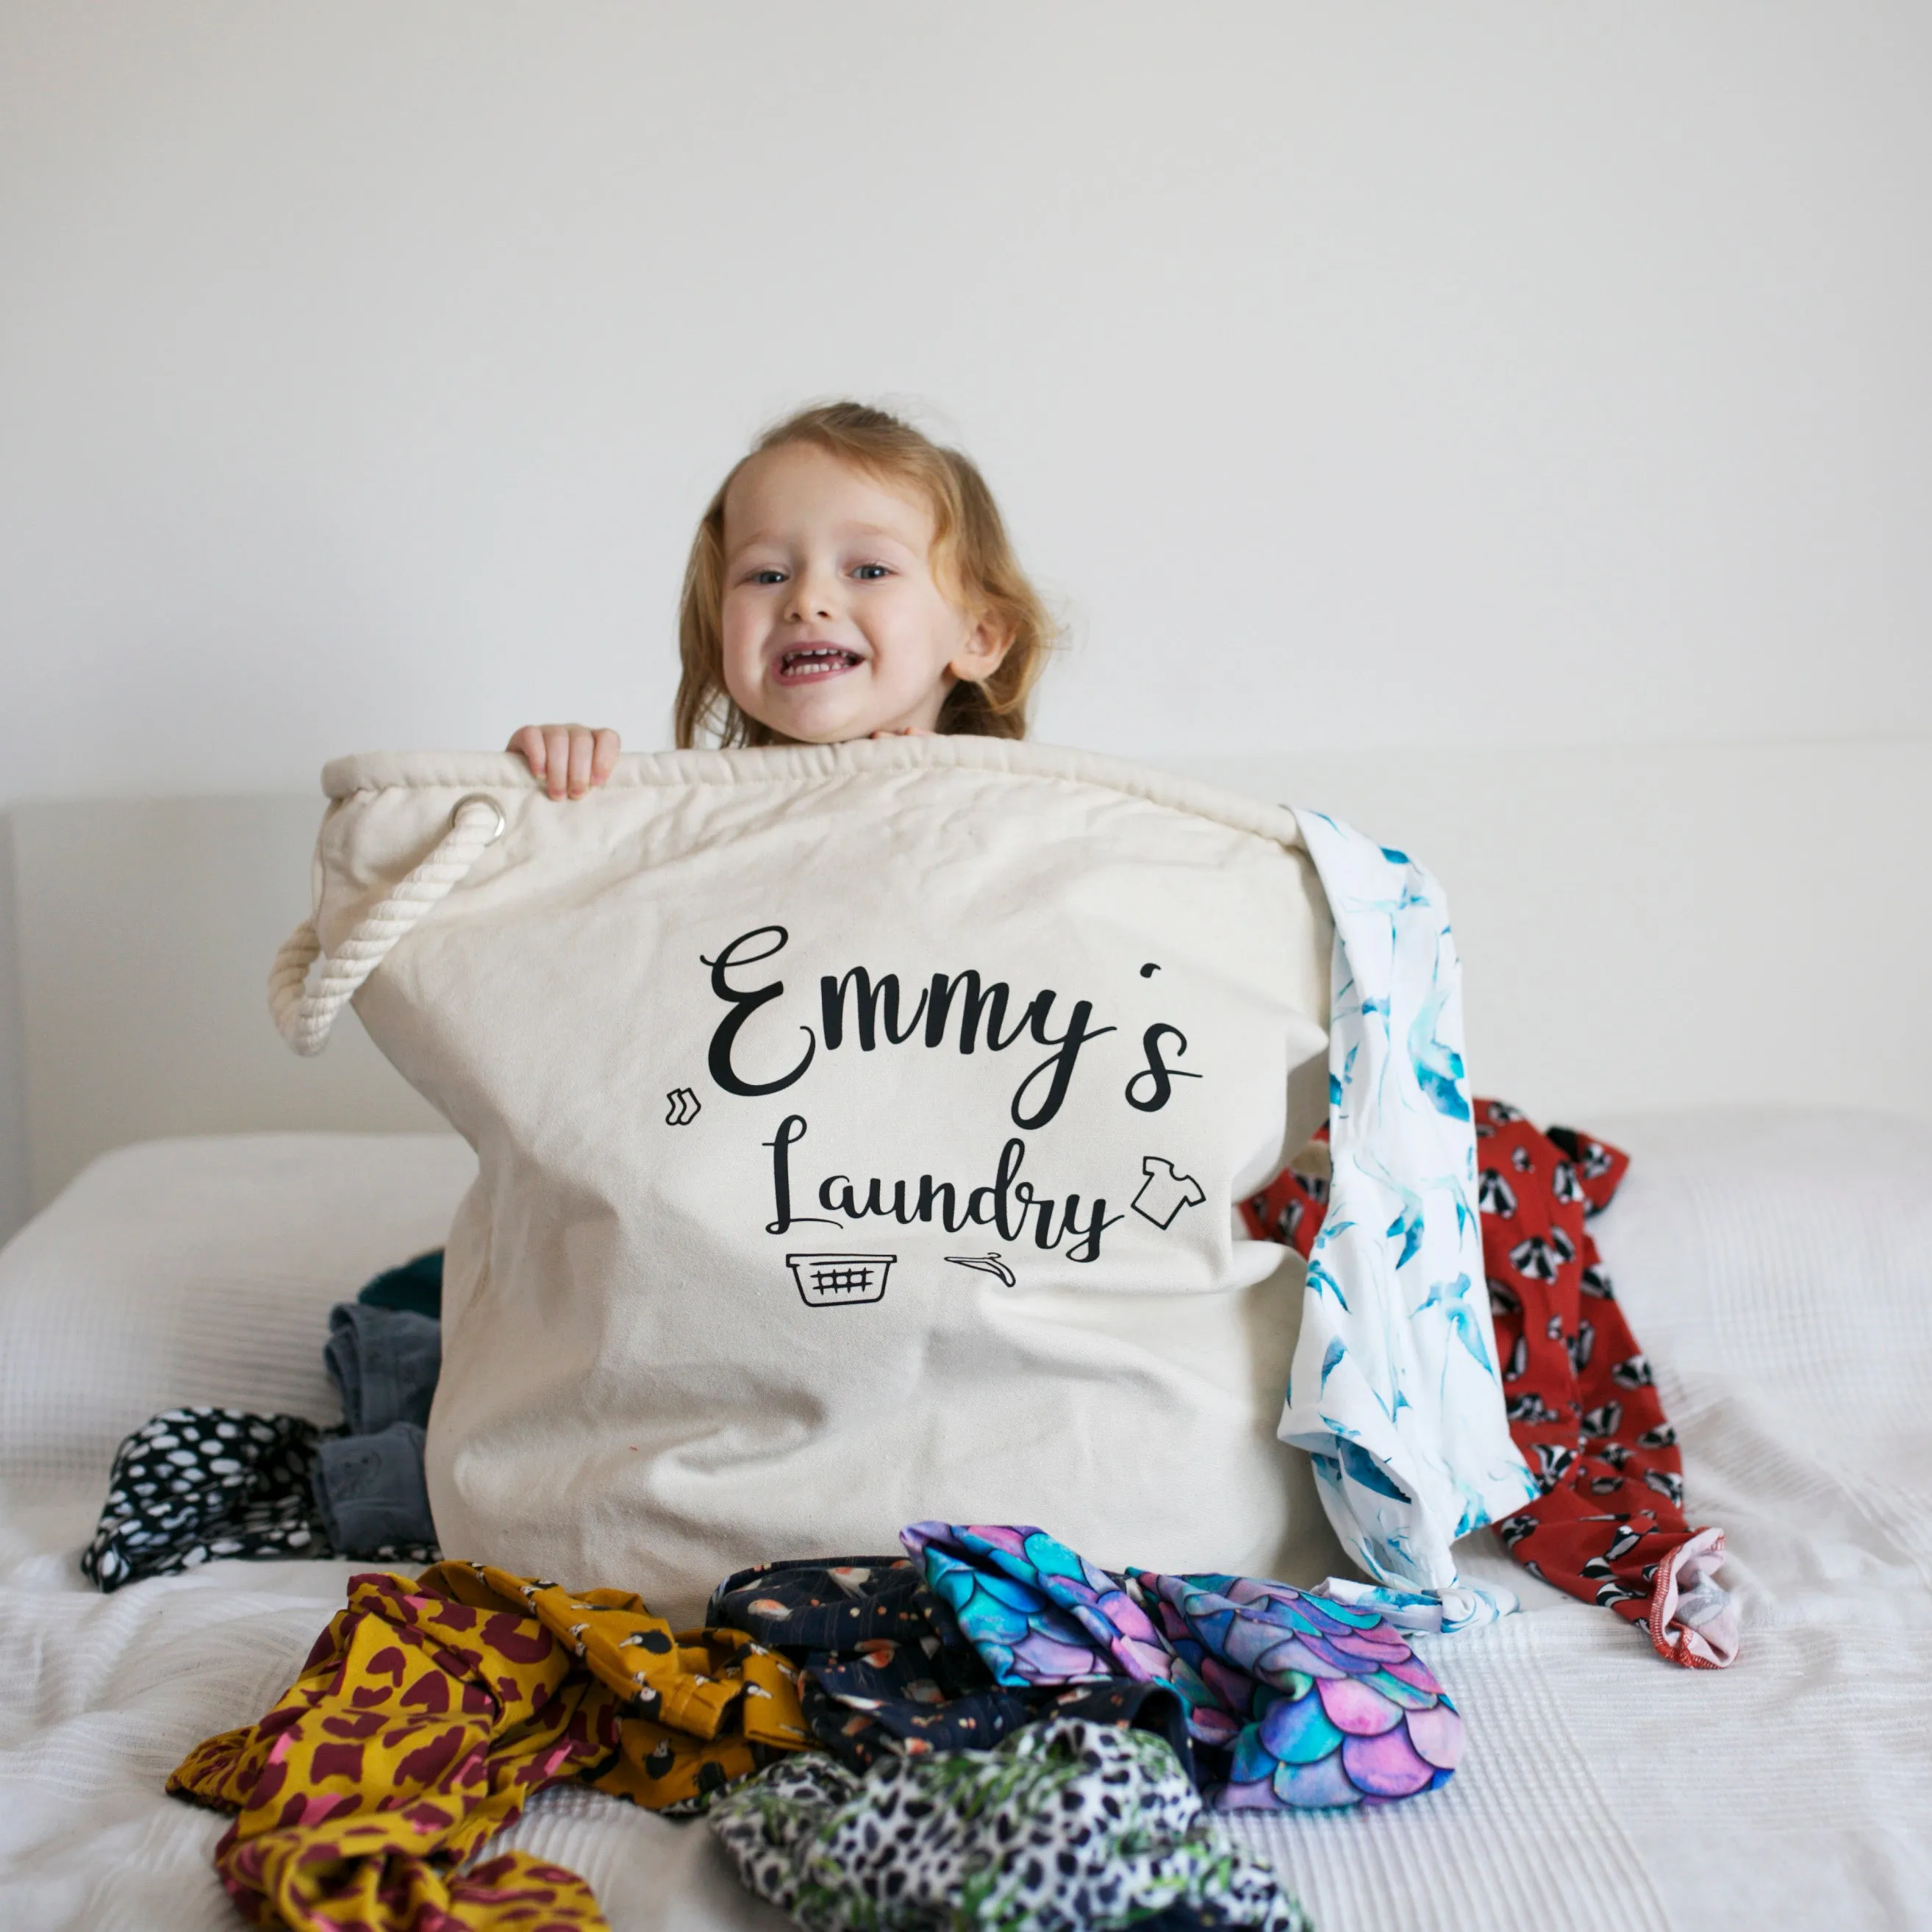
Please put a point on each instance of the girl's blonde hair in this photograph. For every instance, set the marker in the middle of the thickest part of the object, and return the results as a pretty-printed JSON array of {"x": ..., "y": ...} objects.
[{"x": 971, "y": 554}]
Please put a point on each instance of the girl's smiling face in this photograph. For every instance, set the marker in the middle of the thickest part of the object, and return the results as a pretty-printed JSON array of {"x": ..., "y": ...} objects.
[{"x": 835, "y": 625}]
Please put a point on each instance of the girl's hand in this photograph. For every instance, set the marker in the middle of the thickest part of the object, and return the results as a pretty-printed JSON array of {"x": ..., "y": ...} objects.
[
  {"x": 906, "y": 731},
  {"x": 567, "y": 758}
]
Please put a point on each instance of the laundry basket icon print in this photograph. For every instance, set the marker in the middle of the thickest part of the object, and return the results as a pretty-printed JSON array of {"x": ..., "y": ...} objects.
[{"x": 833, "y": 1281}]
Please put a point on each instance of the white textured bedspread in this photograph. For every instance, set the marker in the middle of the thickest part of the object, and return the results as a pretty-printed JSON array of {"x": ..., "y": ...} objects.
[{"x": 1777, "y": 1271}]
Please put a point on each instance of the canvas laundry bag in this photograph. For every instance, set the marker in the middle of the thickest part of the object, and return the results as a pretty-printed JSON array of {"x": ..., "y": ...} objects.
[{"x": 859, "y": 1129}]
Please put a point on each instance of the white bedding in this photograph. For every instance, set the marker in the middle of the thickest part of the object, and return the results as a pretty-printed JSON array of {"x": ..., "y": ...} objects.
[{"x": 1777, "y": 1269}]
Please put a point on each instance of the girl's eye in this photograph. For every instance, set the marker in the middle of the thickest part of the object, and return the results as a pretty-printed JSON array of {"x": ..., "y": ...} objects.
[
  {"x": 768, "y": 576},
  {"x": 871, "y": 573}
]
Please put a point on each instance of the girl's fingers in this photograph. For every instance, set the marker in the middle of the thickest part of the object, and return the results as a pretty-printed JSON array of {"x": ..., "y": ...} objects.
[
  {"x": 567, "y": 758},
  {"x": 529, "y": 744},
  {"x": 557, "y": 759}
]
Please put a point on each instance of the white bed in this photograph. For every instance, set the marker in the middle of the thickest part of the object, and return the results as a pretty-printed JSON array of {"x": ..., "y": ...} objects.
[
  {"x": 1602, "y": 1787},
  {"x": 1775, "y": 1260}
]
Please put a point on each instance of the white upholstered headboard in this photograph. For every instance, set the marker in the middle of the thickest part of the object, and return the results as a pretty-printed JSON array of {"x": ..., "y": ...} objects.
[{"x": 1641, "y": 928}]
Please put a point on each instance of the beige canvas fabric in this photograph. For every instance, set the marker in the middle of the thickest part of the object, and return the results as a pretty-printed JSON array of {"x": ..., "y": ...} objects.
[{"x": 860, "y": 1129}]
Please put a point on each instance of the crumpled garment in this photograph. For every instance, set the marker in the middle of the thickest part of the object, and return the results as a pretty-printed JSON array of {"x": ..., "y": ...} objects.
[
  {"x": 1394, "y": 1391},
  {"x": 417, "y": 1286},
  {"x": 1068, "y": 1826},
  {"x": 370, "y": 1490},
  {"x": 1467, "y": 1604},
  {"x": 371, "y": 1494},
  {"x": 1608, "y": 1526},
  {"x": 1293, "y": 1701},
  {"x": 887, "y": 1672},
  {"x": 198, "y": 1484},
  {"x": 428, "y": 1714},
  {"x": 385, "y": 1363}
]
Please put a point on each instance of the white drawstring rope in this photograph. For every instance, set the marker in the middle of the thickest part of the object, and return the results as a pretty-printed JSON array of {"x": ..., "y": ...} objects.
[{"x": 303, "y": 1016}]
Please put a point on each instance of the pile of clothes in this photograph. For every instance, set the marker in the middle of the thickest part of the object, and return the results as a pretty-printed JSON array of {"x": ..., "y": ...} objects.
[{"x": 986, "y": 1730}]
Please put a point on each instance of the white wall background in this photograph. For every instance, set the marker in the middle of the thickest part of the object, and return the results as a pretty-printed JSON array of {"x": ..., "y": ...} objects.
[
  {"x": 1363, "y": 374},
  {"x": 1355, "y": 377}
]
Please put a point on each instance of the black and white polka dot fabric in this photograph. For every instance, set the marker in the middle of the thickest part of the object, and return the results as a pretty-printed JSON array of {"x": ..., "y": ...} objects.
[{"x": 196, "y": 1485}]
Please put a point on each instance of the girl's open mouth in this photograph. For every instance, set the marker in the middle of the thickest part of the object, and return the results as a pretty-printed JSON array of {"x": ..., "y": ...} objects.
[{"x": 810, "y": 663}]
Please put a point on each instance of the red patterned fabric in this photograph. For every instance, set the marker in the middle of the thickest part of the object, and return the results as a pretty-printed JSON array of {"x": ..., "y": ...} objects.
[{"x": 1610, "y": 1526}]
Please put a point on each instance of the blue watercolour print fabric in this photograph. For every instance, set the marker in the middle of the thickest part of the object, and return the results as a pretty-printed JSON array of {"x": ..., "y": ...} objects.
[
  {"x": 1293, "y": 1700},
  {"x": 1394, "y": 1391}
]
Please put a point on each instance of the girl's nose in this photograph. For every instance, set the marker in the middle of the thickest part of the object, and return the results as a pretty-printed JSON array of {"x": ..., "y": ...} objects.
[{"x": 811, "y": 598}]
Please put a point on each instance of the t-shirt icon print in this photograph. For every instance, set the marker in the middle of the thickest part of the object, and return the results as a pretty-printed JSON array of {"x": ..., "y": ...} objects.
[{"x": 1164, "y": 1193}]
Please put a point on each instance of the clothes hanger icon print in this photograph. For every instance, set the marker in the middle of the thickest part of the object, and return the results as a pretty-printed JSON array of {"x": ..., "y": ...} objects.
[{"x": 986, "y": 1264}]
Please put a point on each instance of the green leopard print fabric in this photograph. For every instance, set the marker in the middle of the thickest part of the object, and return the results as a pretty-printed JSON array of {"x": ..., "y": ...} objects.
[{"x": 1068, "y": 1826}]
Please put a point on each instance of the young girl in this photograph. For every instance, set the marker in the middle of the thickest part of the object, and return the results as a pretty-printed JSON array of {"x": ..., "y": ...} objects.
[{"x": 851, "y": 579}]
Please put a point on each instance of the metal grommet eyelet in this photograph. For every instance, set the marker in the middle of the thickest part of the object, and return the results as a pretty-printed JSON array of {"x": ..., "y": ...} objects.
[{"x": 481, "y": 798}]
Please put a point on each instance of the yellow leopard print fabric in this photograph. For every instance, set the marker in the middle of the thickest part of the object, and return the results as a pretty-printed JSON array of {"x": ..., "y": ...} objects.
[{"x": 429, "y": 1711}]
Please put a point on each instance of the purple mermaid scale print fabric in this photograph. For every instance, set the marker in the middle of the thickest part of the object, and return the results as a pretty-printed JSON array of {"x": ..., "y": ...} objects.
[{"x": 1293, "y": 1700}]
